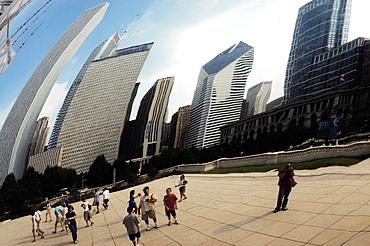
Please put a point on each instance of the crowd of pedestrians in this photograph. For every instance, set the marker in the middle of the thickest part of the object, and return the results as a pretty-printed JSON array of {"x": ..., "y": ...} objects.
[
  {"x": 146, "y": 209},
  {"x": 65, "y": 214},
  {"x": 143, "y": 211}
]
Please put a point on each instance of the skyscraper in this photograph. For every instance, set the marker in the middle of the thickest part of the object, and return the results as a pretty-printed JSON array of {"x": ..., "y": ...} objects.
[
  {"x": 40, "y": 133},
  {"x": 96, "y": 115},
  {"x": 150, "y": 119},
  {"x": 179, "y": 125},
  {"x": 257, "y": 97},
  {"x": 219, "y": 93},
  {"x": 16, "y": 133},
  {"x": 320, "y": 26},
  {"x": 104, "y": 50}
]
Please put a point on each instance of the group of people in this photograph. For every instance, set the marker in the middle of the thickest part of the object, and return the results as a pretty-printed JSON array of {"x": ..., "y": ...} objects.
[
  {"x": 64, "y": 215},
  {"x": 146, "y": 209}
]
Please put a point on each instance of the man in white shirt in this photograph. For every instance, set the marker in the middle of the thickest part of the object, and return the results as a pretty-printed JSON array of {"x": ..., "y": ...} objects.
[
  {"x": 147, "y": 207},
  {"x": 105, "y": 198},
  {"x": 38, "y": 220}
]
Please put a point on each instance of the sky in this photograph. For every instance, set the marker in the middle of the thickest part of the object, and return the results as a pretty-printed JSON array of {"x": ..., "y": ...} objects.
[{"x": 186, "y": 35}]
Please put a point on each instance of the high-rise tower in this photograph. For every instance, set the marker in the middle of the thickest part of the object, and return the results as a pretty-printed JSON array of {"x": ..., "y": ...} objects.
[
  {"x": 40, "y": 133},
  {"x": 16, "y": 133},
  {"x": 257, "y": 97},
  {"x": 104, "y": 50},
  {"x": 96, "y": 115},
  {"x": 218, "y": 96},
  {"x": 150, "y": 119},
  {"x": 320, "y": 26}
]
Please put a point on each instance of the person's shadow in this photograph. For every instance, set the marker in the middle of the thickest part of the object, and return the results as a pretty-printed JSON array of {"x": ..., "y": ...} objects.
[{"x": 230, "y": 227}]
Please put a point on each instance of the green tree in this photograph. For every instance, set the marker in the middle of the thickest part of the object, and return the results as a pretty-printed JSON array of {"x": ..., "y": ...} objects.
[
  {"x": 31, "y": 183},
  {"x": 232, "y": 149},
  {"x": 250, "y": 147},
  {"x": 185, "y": 156},
  {"x": 208, "y": 154},
  {"x": 12, "y": 197},
  {"x": 122, "y": 169},
  {"x": 100, "y": 173},
  {"x": 56, "y": 178}
]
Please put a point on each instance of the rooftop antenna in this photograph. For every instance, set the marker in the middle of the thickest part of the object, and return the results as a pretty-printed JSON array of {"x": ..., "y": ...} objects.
[{"x": 125, "y": 31}]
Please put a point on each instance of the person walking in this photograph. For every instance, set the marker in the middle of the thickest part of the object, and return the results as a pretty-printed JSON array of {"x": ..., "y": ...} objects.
[
  {"x": 105, "y": 198},
  {"x": 131, "y": 222},
  {"x": 58, "y": 219},
  {"x": 147, "y": 207},
  {"x": 71, "y": 218},
  {"x": 34, "y": 227},
  {"x": 96, "y": 200},
  {"x": 67, "y": 201},
  {"x": 170, "y": 205},
  {"x": 38, "y": 220},
  {"x": 64, "y": 212},
  {"x": 285, "y": 183},
  {"x": 48, "y": 210},
  {"x": 87, "y": 213},
  {"x": 182, "y": 184}
]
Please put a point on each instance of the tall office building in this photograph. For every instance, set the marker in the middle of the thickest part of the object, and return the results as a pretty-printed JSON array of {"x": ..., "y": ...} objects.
[
  {"x": 320, "y": 26},
  {"x": 341, "y": 68},
  {"x": 257, "y": 97},
  {"x": 219, "y": 94},
  {"x": 150, "y": 119},
  {"x": 40, "y": 133},
  {"x": 96, "y": 114},
  {"x": 179, "y": 125},
  {"x": 104, "y": 50},
  {"x": 16, "y": 133}
]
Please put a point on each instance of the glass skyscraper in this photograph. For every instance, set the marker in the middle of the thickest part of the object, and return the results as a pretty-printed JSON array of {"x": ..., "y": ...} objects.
[
  {"x": 218, "y": 96},
  {"x": 150, "y": 119},
  {"x": 321, "y": 25},
  {"x": 17, "y": 131},
  {"x": 104, "y": 50},
  {"x": 96, "y": 115}
]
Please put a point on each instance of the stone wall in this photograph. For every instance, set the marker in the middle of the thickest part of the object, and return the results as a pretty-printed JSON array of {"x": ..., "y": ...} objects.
[{"x": 294, "y": 156}]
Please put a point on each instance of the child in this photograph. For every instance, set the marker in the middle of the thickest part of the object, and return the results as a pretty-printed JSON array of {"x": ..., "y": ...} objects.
[
  {"x": 132, "y": 202},
  {"x": 170, "y": 204},
  {"x": 132, "y": 221}
]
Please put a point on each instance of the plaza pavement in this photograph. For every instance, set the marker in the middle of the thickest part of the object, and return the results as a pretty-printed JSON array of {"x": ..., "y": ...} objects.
[{"x": 329, "y": 206}]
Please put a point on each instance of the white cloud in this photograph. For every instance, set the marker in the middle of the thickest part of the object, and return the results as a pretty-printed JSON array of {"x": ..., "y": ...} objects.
[{"x": 54, "y": 102}]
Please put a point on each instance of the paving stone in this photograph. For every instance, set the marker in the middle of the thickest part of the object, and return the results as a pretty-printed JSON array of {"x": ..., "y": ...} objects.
[{"x": 329, "y": 206}]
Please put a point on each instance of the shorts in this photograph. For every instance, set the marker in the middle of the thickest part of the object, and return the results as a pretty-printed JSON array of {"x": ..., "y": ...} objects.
[
  {"x": 150, "y": 214},
  {"x": 173, "y": 212},
  {"x": 58, "y": 218},
  {"x": 87, "y": 215},
  {"x": 96, "y": 204},
  {"x": 106, "y": 201},
  {"x": 132, "y": 205},
  {"x": 134, "y": 236},
  {"x": 182, "y": 189}
]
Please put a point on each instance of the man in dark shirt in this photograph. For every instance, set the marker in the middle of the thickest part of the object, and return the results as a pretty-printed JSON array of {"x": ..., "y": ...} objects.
[{"x": 285, "y": 183}]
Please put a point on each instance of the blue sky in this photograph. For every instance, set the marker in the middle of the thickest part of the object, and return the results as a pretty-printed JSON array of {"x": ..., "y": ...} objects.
[{"x": 186, "y": 35}]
